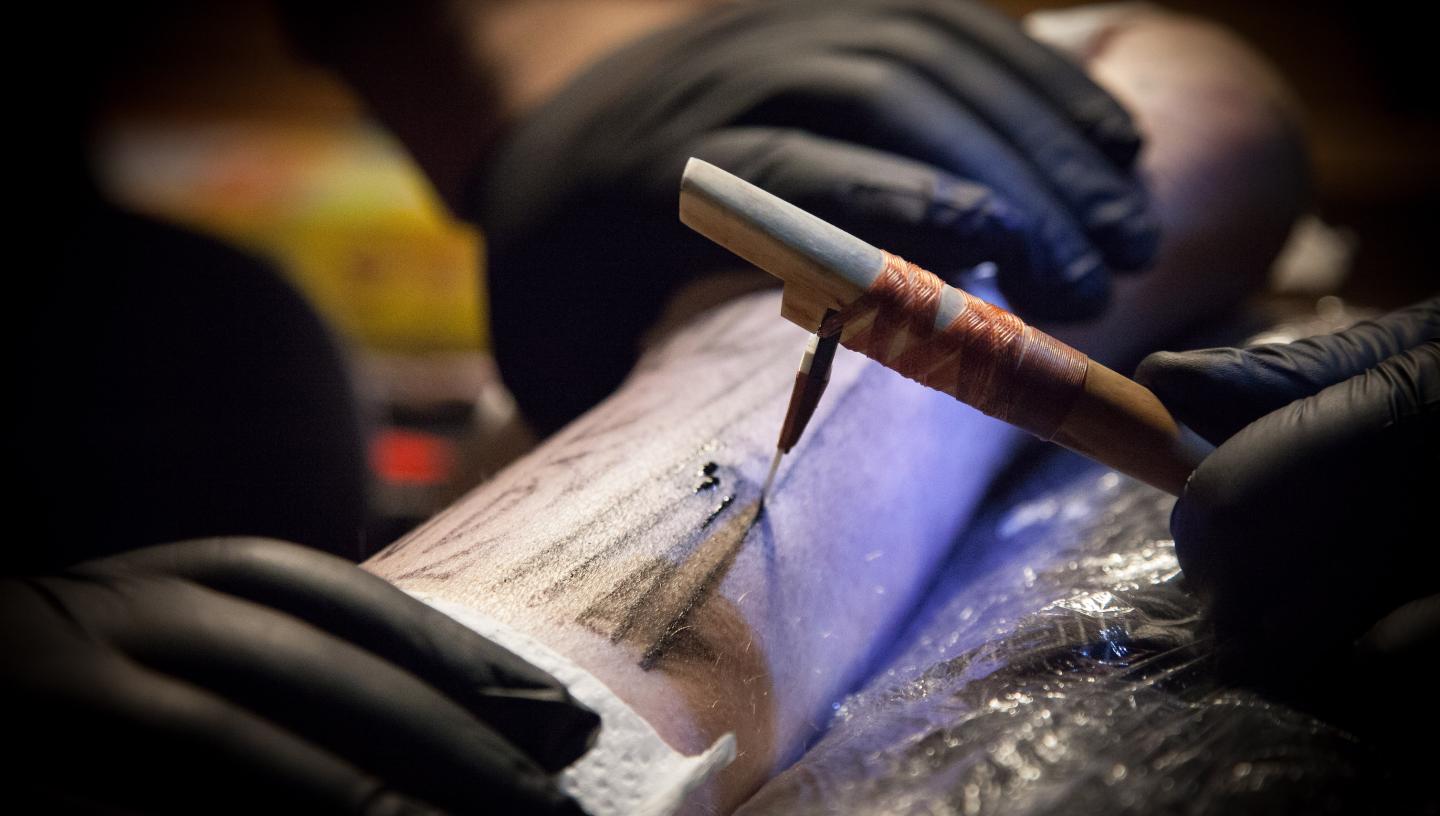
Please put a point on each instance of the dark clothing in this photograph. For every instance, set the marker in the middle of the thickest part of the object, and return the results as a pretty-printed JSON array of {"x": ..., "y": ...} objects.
[{"x": 165, "y": 387}]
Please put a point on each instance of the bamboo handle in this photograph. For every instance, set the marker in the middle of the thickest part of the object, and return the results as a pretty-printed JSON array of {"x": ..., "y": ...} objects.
[
  {"x": 1121, "y": 423},
  {"x": 1109, "y": 418}
]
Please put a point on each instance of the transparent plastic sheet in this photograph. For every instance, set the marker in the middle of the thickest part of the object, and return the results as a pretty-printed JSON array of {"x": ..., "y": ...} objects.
[
  {"x": 1060, "y": 666},
  {"x": 1066, "y": 670}
]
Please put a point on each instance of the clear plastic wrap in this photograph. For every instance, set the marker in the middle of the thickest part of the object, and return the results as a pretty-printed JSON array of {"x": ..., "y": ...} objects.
[{"x": 1061, "y": 667}]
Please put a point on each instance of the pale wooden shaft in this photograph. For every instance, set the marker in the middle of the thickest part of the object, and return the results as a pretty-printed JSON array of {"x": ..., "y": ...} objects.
[
  {"x": 823, "y": 267},
  {"x": 1121, "y": 423}
]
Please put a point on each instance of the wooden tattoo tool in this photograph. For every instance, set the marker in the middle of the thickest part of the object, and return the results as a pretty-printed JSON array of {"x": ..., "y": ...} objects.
[{"x": 849, "y": 293}]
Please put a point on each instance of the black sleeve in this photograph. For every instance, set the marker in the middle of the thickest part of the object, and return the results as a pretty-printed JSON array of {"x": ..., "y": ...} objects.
[{"x": 169, "y": 387}]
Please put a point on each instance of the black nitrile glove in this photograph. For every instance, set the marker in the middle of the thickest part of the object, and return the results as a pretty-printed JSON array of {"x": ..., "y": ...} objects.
[
  {"x": 246, "y": 675},
  {"x": 935, "y": 129},
  {"x": 1316, "y": 515}
]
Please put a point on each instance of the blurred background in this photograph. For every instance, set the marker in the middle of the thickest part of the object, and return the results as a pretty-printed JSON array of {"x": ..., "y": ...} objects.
[{"x": 213, "y": 123}]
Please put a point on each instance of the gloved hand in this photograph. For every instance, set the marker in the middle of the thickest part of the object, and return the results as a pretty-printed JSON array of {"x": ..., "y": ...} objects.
[
  {"x": 932, "y": 128},
  {"x": 245, "y": 675},
  {"x": 1315, "y": 516}
]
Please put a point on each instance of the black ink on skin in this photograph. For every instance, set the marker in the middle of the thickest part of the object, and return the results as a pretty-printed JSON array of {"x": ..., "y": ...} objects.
[
  {"x": 714, "y": 514},
  {"x": 653, "y": 606},
  {"x": 708, "y": 479},
  {"x": 618, "y": 611},
  {"x": 696, "y": 579}
]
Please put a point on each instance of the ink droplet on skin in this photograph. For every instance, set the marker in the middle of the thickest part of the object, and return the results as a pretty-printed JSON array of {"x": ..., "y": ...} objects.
[{"x": 708, "y": 479}]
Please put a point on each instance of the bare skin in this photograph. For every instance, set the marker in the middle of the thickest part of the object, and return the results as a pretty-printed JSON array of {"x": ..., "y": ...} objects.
[{"x": 631, "y": 542}]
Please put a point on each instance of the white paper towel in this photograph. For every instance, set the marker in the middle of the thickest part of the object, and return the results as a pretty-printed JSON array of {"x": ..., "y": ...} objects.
[{"x": 630, "y": 770}]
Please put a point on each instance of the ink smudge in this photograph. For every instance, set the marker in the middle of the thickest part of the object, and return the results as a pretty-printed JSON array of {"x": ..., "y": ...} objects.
[
  {"x": 695, "y": 580},
  {"x": 618, "y": 610},
  {"x": 720, "y": 508},
  {"x": 654, "y": 606}
]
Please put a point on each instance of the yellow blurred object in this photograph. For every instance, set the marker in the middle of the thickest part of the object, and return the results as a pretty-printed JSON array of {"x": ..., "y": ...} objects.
[{"x": 339, "y": 207}]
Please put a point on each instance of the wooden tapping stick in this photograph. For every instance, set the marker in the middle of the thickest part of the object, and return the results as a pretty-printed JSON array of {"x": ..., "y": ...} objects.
[{"x": 906, "y": 318}]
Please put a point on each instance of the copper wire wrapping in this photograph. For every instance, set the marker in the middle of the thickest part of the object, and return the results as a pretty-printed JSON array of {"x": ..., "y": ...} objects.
[{"x": 985, "y": 357}]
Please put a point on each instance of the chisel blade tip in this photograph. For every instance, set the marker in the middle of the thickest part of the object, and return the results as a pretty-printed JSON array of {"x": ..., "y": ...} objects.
[{"x": 770, "y": 479}]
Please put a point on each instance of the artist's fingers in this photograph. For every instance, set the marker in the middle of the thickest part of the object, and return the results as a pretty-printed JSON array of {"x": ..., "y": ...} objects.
[
  {"x": 100, "y": 731},
  {"x": 1050, "y": 73},
  {"x": 1107, "y": 200},
  {"x": 505, "y": 692},
  {"x": 1221, "y": 390},
  {"x": 1104, "y": 198},
  {"x": 1408, "y": 636},
  {"x": 880, "y": 104},
  {"x": 324, "y": 690},
  {"x": 924, "y": 214},
  {"x": 972, "y": 26},
  {"x": 1302, "y": 524}
]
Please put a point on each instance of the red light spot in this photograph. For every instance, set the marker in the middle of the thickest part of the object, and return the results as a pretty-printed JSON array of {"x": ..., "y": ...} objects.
[{"x": 412, "y": 457}]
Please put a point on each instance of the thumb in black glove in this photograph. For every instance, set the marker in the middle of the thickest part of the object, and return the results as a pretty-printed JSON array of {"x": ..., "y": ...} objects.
[
  {"x": 243, "y": 675},
  {"x": 1315, "y": 516}
]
